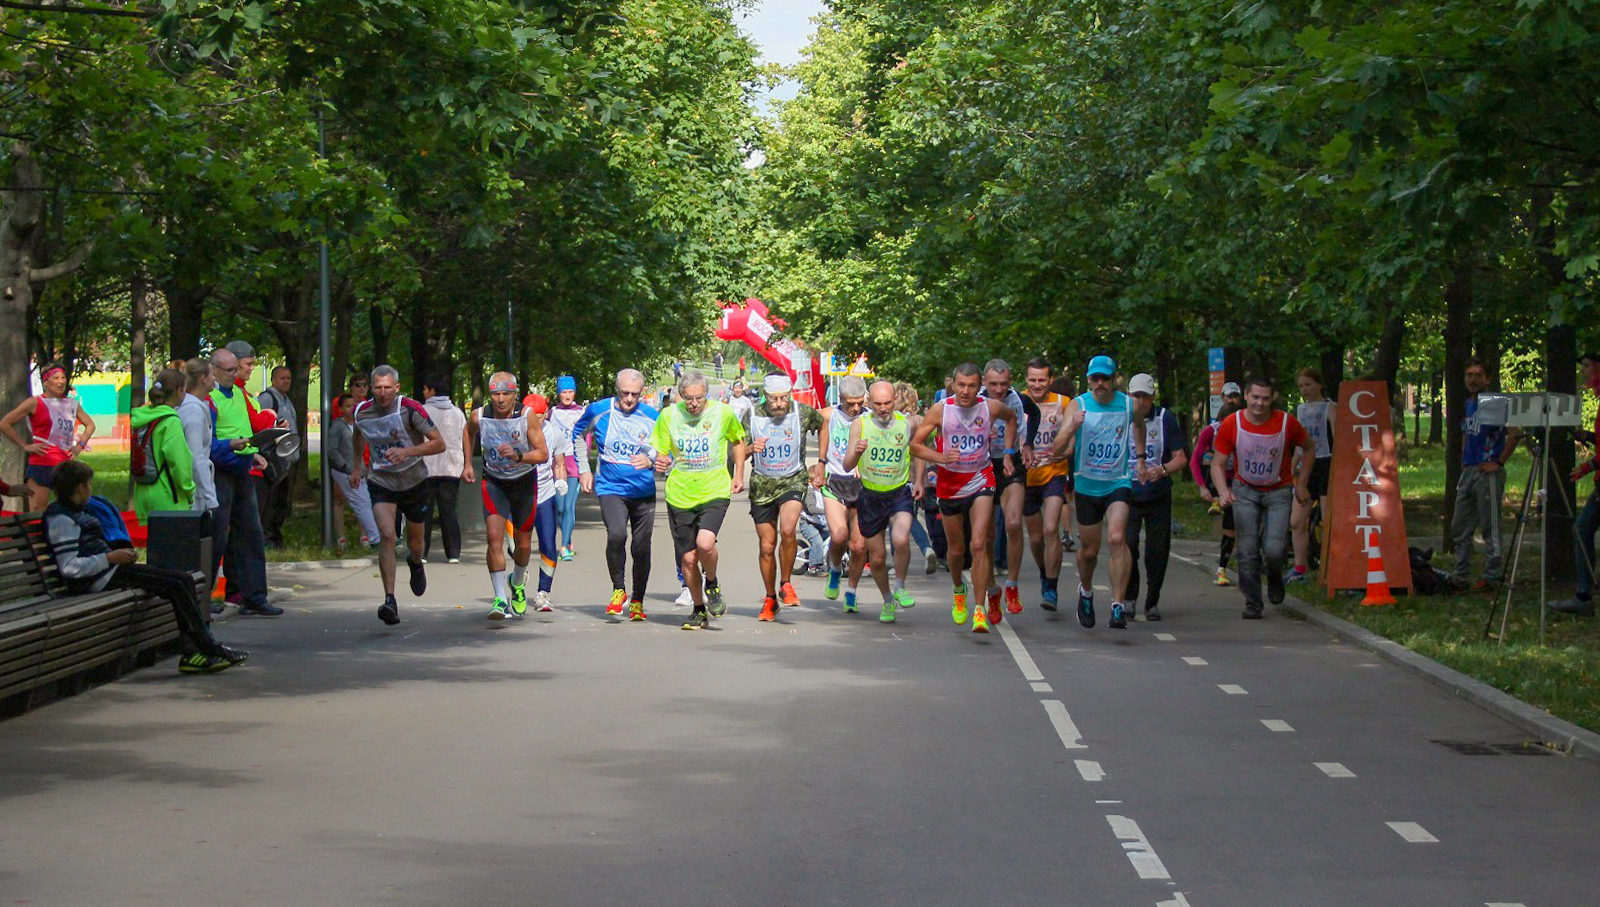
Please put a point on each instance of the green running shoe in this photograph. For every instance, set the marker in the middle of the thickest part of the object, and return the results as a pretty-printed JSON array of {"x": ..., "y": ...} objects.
[
  {"x": 886, "y": 614},
  {"x": 831, "y": 589},
  {"x": 497, "y": 611},
  {"x": 519, "y": 598},
  {"x": 903, "y": 599}
]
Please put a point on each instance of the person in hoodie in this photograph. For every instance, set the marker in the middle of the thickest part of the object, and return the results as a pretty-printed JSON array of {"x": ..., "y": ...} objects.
[
  {"x": 166, "y": 481},
  {"x": 90, "y": 544},
  {"x": 444, "y": 469}
]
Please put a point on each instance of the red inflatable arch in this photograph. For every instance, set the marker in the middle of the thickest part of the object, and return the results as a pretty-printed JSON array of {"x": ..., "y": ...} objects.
[{"x": 750, "y": 322}]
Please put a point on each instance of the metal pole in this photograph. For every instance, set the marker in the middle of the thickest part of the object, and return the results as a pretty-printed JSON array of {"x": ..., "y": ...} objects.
[
  {"x": 511, "y": 363},
  {"x": 325, "y": 365}
]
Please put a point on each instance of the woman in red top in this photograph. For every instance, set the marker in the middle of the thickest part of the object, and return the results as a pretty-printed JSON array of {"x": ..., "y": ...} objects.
[
  {"x": 1260, "y": 440},
  {"x": 54, "y": 438}
]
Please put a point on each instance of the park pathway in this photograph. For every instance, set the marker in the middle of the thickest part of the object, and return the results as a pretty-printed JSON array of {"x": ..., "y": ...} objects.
[{"x": 568, "y": 758}]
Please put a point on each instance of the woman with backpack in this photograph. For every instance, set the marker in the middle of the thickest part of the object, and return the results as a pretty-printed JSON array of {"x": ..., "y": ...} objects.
[{"x": 161, "y": 463}]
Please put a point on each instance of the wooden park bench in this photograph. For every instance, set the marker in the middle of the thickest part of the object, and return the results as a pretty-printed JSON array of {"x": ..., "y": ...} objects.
[{"x": 55, "y": 643}]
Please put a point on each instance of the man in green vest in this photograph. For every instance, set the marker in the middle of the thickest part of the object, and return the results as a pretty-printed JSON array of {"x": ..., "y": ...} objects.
[
  {"x": 236, "y": 531},
  {"x": 891, "y": 485}
]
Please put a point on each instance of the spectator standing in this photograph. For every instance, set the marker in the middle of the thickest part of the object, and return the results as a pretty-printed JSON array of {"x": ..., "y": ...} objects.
[
  {"x": 236, "y": 531},
  {"x": 340, "y": 450},
  {"x": 1582, "y": 601},
  {"x": 1486, "y": 445},
  {"x": 163, "y": 467},
  {"x": 444, "y": 469},
  {"x": 54, "y": 420},
  {"x": 1150, "y": 511},
  {"x": 194, "y": 412},
  {"x": 275, "y": 496}
]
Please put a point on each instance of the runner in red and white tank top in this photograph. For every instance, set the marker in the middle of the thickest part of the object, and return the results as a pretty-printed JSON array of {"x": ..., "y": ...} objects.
[
  {"x": 53, "y": 432},
  {"x": 966, "y": 484}
]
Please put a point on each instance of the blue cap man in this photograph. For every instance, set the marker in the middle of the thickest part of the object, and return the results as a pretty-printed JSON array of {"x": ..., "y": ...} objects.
[
  {"x": 566, "y": 383},
  {"x": 1101, "y": 365}
]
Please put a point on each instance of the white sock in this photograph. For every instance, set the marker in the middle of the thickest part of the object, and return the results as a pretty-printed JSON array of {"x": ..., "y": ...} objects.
[
  {"x": 899, "y": 584},
  {"x": 497, "y": 578},
  {"x": 853, "y": 584},
  {"x": 1086, "y": 593},
  {"x": 519, "y": 574}
]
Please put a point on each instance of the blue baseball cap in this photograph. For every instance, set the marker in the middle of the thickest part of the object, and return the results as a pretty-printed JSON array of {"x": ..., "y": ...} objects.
[
  {"x": 1102, "y": 365},
  {"x": 566, "y": 383}
]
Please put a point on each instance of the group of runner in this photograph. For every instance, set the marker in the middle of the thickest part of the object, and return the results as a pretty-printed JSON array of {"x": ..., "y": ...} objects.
[{"x": 980, "y": 450}]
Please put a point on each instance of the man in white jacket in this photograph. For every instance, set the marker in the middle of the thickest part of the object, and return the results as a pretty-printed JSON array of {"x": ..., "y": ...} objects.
[{"x": 444, "y": 469}]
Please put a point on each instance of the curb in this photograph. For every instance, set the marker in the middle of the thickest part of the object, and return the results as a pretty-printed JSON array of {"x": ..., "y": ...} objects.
[
  {"x": 1557, "y": 733},
  {"x": 343, "y": 564}
]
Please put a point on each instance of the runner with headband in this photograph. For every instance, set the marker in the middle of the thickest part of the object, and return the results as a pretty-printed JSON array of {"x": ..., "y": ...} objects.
[
  {"x": 58, "y": 430},
  {"x": 513, "y": 441}
]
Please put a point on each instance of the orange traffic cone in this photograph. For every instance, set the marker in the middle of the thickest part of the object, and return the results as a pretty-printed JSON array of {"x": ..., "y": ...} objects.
[
  {"x": 219, "y": 592},
  {"x": 1377, "y": 580}
]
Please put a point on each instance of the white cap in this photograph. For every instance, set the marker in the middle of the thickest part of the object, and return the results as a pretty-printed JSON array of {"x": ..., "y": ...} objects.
[
  {"x": 775, "y": 383},
  {"x": 1142, "y": 384},
  {"x": 1231, "y": 388}
]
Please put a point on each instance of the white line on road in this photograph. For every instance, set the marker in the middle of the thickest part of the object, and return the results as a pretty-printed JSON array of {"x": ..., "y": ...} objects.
[
  {"x": 1166, "y": 637},
  {"x": 1502, "y": 904},
  {"x": 1090, "y": 770},
  {"x": 1412, "y": 832},
  {"x": 1195, "y": 660},
  {"x": 1065, "y": 729},
  {"x": 1019, "y": 654},
  {"x": 1277, "y": 724},
  {"x": 1334, "y": 770},
  {"x": 1108, "y": 802},
  {"x": 1232, "y": 689},
  {"x": 1041, "y": 687},
  {"x": 1178, "y": 900},
  {"x": 1137, "y": 846}
]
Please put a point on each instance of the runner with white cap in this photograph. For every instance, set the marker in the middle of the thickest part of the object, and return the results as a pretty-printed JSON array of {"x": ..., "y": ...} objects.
[
  {"x": 1098, "y": 425},
  {"x": 1150, "y": 510},
  {"x": 777, "y": 428}
]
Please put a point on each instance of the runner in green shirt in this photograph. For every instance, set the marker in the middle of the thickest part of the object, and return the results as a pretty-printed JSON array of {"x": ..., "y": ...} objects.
[
  {"x": 691, "y": 439},
  {"x": 891, "y": 483}
]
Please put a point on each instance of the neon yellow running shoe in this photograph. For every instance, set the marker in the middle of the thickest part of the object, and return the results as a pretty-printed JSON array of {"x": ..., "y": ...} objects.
[
  {"x": 958, "y": 611},
  {"x": 903, "y": 599},
  {"x": 980, "y": 624},
  {"x": 618, "y": 597},
  {"x": 519, "y": 598},
  {"x": 497, "y": 611}
]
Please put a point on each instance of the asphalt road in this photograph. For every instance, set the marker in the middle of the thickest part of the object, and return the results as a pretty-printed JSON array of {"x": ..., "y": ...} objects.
[{"x": 568, "y": 758}]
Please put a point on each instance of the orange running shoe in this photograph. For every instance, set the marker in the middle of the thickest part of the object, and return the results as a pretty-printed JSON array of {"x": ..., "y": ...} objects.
[
  {"x": 1013, "y": 600},
  {"x": 618, "y": 597},
  {"x": 790, "y": 597},
  {"x": 636, "y": 611},
  {"x": 769, "y": 609}
]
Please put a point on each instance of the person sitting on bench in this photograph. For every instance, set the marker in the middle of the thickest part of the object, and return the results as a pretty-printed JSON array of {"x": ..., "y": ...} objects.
[{"x": 91, "y": 546}]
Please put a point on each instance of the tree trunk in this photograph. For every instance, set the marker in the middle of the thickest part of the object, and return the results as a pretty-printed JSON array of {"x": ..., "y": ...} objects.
[
  {"x": 21, "y": 208},
  {"x": 1560, "y": 352},
  {"x": 1386, "y": 360},
  {"x": 139, "y": 291},
  {"x": 185, "y": 310},
  {"x": 1436, "y": 408},
  {"x": 339, "y": 364},
  {"x": 1457, "y": 341},
  {"x": 1330, "y": 361},
  {"x": 380, "y": 326}
]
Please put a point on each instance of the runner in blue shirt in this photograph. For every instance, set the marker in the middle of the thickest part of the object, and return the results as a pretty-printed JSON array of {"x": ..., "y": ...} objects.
[{"x": 625, "y": 484}]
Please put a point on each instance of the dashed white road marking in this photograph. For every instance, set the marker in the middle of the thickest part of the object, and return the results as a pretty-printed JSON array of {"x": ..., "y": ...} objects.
[
  {"x": 1071, "y": 738},
  {"x": 1019, "y": 654},
  {"x": 1166, "y": 637},
  {"x": 1232, "y": 689},
  {"x": 1178, "y": 900},
  {"x": 1278, "y": 725},
  {"x": 1041, "y": 687},
  {"x": 1137, "y": 847},
  {"x": 1090, "y": 770},
  {"x": 1108, "y": 802},
  {"x": 1504, "y": 904},
  {"x": 1195, "y": 660},
  {"x": 1334, "y": 770},
  {"x": 1412, "y": 832}
]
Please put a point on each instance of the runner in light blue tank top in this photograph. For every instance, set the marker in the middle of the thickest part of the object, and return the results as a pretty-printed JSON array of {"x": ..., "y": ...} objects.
[{"x": 1107, "y": 445}]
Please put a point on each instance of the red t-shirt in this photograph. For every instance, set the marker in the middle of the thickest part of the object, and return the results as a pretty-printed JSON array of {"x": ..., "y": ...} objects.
[{"x": 1262, "y": 459}]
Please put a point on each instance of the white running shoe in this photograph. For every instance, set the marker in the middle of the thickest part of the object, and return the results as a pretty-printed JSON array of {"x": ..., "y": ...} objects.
[
  {"x": 541, "y": 601},
  {"x": 684, "y": 598}
]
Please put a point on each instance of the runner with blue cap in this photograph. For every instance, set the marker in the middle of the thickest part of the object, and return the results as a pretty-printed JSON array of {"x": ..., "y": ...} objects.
[{"x": 1097, "y": 431}]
